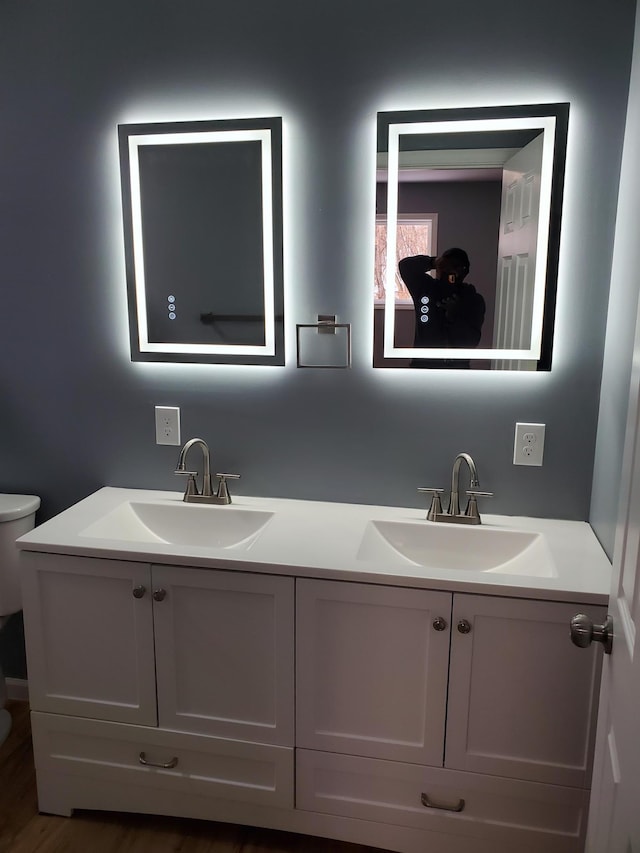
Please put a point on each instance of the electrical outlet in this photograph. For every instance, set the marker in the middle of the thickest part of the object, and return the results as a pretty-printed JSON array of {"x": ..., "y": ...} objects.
[
  {"x": 528, "y": 446},
  {"x": 167, "y": 425}
]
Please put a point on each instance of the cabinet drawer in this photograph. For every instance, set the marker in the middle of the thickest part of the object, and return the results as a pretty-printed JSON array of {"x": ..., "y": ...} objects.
[
  {"x": 235, "y": 770},
  {"x": 518, "y": 815}
]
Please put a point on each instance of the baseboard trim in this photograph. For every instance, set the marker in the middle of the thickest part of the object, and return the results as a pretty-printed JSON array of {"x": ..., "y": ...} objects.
[{"x": 18, "y": 689}]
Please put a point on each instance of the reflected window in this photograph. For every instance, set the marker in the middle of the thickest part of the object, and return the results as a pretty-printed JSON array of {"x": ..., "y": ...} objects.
[{"x": 416, "y": 235}]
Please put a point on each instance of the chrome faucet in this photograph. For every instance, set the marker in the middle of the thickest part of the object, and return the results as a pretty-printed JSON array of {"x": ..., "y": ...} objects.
[
  {"x": 191, "y": 493},
  {"x": 453, "y": 513},
  {"x": 454, "y": 497}
]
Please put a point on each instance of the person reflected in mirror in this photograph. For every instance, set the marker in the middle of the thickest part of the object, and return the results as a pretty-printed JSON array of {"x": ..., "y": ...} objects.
[{"x": 449, "y": 311}]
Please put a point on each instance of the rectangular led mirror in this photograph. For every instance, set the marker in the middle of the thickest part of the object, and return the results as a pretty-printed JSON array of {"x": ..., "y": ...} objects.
[
  {"x": 468, "y": 209},
  {"x": 202, "y": 209}
]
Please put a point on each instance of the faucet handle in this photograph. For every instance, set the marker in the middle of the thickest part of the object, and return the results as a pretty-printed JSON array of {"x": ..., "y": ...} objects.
[
  {"x": 436, "y": 504},
  {"x": 223, "y": 491},
  {"x": 472, "y": 507},
  {"x": 192, "y": 486}
]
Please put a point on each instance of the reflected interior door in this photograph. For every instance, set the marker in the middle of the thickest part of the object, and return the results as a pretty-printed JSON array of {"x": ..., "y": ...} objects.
[
  {"x": 614, "y": 822},
  {"x": 517, "y": 244}
]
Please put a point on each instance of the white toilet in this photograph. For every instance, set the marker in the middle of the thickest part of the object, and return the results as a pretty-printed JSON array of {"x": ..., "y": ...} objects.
[{"x": 17, "y": 516}]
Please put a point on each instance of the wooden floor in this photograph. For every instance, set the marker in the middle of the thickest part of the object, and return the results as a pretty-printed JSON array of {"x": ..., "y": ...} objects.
[{"x": 23, "y": 830}]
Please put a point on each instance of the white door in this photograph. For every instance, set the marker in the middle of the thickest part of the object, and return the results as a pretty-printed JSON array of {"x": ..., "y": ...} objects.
[
  {"x": 614, "y": 819},
  {"x": 517, "y": 244}
]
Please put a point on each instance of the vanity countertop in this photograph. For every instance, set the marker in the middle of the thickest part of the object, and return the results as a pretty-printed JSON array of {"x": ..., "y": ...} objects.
[{"x": 333, "y": 541}]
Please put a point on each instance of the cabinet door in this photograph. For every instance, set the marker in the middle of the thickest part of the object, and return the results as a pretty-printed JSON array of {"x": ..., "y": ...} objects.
[
  {"x": 371, "y": 670},
  {"x": 224, "y": 653},
  {"x": 522, "y": 697},
  {"x": 89, "y": 639}
]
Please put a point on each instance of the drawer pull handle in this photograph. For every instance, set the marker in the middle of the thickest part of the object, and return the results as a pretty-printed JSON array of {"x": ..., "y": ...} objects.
[
  {"x": 424, "y": 799},
  {"x": 159, "y": 594},
  {"x": 139, "y": 591},
  {"x": 142, "y": 758}
]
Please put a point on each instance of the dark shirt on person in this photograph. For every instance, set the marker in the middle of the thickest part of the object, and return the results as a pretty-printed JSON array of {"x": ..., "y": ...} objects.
[{"x": 447, "y": 315}]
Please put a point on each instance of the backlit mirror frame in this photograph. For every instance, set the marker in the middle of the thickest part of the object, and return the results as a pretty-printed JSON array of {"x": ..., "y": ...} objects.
[
  {"x": 265, "y": 132},
  {"x": 552, "y": 119}
]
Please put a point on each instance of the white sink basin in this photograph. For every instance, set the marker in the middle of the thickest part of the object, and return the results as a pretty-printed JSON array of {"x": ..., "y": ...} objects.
[
  {"x": 180, "y": 523},
  {"x": 456, "y": 547},
  {"x": 557, "y": 559}
]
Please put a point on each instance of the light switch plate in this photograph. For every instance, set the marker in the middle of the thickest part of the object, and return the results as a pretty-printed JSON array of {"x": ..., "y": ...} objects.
[{"x": 167, "y": 425}]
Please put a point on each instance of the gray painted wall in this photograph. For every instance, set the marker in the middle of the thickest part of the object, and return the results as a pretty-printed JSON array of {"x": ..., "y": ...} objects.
[
  {"x": 621, "y": 323},
  {"x": 76, "y": 414}
]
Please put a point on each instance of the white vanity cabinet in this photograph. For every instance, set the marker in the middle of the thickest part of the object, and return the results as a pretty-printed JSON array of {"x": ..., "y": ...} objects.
[
  {"x": 425, "y": 720},
  {"x": 169, "y": 652},
  {"x": 451, "y": 712}
]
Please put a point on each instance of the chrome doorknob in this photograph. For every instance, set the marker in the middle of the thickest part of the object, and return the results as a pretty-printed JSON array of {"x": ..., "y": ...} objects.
[{"x": 584, "y": 632}]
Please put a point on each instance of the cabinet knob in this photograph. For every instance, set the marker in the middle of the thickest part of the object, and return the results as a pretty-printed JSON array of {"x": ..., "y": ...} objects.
[
  {"x": 139, "y": 591},
  {"x": 439, "y": 623},
  {"x": 464, "y": 627},
  {"x": 159, "y": 594},
  {"x": 584, "y": 632}
]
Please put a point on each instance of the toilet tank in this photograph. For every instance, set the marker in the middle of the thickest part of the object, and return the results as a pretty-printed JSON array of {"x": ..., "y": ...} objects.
[{"x": 17, "y": 516}]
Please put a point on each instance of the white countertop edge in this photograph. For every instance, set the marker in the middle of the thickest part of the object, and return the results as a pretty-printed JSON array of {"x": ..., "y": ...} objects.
[{"x": 583, "y": 567}]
